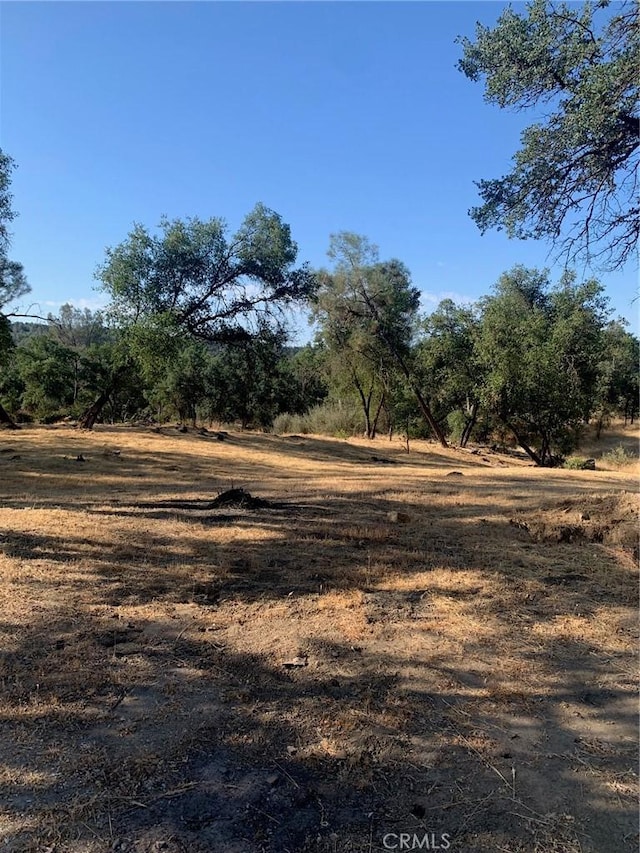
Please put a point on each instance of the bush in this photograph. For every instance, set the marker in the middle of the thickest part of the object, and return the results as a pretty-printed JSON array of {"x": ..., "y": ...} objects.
[
  {"x": 54, "y": 417},
  {"x": 575, "y": 463},
  {"x": 287, "y": 424},
  {"x": 331, "y": 418},
  {"x": 617, "y": 456}
]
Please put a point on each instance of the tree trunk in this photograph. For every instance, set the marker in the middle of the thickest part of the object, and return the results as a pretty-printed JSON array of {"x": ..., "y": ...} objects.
[
  {"x": 365, "y": 401},
  {"x": 374, "y": 426},
  {"x": 599, "y": 425},
  {"x": 367, "y": 424},
  {"x": 427, "y": 414},
  {"x": 5, "y": 418},
  {"x": 91, "y": 415},
  {"x": 424, "y": 408},
  {"x": 528, "y": 450},
  {"x": 466, "y": 432}
]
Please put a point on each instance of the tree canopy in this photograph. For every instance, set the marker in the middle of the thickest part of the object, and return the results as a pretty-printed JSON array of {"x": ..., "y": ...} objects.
[
  {"x": 368, "y": 311},
  {"x": 13, "y": 283},
  {"x": 204, "y": 282},
  {"x": 540, "y": 347},
  {"x": 574, "y": 179}
]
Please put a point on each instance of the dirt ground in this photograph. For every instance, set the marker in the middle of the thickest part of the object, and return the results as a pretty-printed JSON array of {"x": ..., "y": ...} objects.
[{"x": 384, "y": 652}]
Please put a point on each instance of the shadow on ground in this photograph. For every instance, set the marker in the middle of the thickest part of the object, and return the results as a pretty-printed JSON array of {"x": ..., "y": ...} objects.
[{"x": 314, "y": 675}]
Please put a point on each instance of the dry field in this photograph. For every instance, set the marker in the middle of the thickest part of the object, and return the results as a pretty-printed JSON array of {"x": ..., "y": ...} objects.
[{"x": 381, "y": 649}]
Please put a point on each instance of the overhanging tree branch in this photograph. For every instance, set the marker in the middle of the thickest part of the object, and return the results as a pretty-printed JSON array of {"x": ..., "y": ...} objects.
[{"x": 567, "y": 169}]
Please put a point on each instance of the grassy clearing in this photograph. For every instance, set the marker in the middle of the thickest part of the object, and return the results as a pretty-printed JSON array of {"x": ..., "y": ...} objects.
[{"x": 437, "y": 642}]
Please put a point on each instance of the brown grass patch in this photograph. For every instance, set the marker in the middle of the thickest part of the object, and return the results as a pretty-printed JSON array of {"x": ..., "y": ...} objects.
[{"x": 453, "y": 672}]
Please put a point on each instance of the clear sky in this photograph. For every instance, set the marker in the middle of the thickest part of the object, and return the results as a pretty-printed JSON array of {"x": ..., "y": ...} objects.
[{"x": 339, "y": 116}]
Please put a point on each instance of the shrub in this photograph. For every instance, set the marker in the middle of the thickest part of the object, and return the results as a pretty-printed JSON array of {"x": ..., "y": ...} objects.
[
  {"x": 617, "y": 456},
  {"x": 330, "y": 418},
  {"x": 54, "y": 417},
  {"x": 575, "y": 463},
  {"x": 287, "y": 423}
]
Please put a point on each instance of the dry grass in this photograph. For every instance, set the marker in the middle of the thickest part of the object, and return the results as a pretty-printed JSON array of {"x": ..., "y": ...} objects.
[{"x": 311, "y": 675}]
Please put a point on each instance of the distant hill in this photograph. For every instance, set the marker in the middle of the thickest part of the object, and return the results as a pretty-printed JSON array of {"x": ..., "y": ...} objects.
[{"x": 21, "y": 331}]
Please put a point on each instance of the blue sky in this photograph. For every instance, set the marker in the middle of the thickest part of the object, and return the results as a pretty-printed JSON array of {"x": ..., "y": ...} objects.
[{"x": 339, "y": 116}]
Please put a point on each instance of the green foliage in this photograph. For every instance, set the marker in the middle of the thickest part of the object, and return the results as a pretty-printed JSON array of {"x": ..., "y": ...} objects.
[
  {"x": 366, "y": 311},
  {"x": 574, "y": 463},
  {"x": 20, "y": 330},
  {"x": 540, "y": 349},
  {"x": 334, "y": 418},
  {"x": 304, "y": 378},
  {"x": 202, "y": 281},
  {"x": 6, "y": 341},
  {"x": 46, "y": 369},
  {"x": 13, "y": 283},
  {"x": 249, "y": 381},
  {"x": 7, "y": 214},
  {"x": 617, "y": 387},
  {"x": 79, "y": 329},
  {"x": 574, "y": 178},
  {"x": 183, "y": 382},
  {"x": 618, "y": 456},
  {"x": 192, "y": 280},
  {"x": 57, "y": 369},
  {"x": 457, "y": 425},
  {"x": 450, "y": 367},
  {"x": 11, "y": 384}
]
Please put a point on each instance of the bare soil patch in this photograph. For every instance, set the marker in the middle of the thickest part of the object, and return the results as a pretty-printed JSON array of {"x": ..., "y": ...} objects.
[
  {"x": 273, "y": 644},
  {"x": 609, "y": 518}
]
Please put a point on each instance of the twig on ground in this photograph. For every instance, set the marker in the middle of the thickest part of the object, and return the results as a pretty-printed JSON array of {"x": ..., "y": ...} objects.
[{"x": 288, "y": 775}]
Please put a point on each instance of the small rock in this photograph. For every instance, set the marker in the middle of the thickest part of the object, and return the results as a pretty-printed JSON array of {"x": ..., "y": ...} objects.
[
  {"x": 398, "y": 517},
  {"x": 455, "y": 474},
  {"x": 273, "y": 779},
  {"x": 585, "y": 516},
  {"x": 299, "y": 661},
  {"x": 291, "y": 750},
  {"x": 80, "y": 458}
]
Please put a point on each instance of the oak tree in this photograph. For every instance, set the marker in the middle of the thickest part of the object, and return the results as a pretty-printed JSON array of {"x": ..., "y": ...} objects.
[
  {"x": 193, "y": 278},
  {"x": 574, "y": 180},
  {"x": 369, "y": 308},
  {"x": 13, "y": 283}
]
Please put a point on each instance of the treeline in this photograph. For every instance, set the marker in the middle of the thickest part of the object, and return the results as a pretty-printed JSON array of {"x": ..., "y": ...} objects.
[
  {"x": 533, "y": 362},
  {"x": 56, "y": 371},
  {"x": 195, "y": 326}
]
